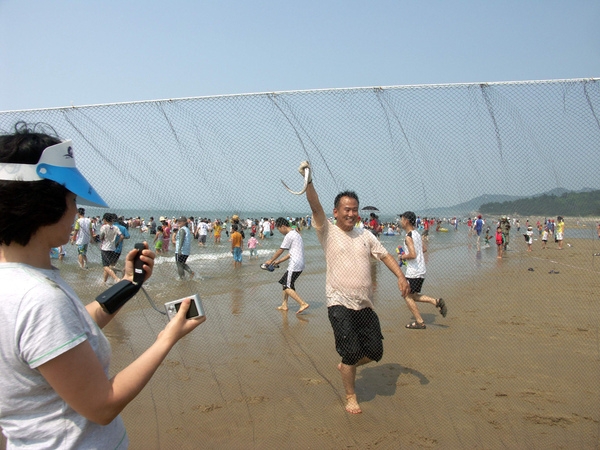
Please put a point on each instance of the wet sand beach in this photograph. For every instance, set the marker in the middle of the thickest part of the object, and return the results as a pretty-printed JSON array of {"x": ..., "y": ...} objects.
[{"x": 515, "y": 364}]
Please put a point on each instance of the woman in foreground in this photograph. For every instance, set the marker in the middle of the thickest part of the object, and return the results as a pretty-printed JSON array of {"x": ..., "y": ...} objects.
[{"x": 54, "y": 359}]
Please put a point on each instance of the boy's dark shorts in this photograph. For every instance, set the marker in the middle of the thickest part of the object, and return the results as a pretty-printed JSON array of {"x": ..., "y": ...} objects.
[
  {"x": 109, "y": 258},
  {"x": 357, "y": 334},
  {"x": 415, "y": 285},
  {"x": 181, "y": 259},
  {"x": 288, "y": 279}
]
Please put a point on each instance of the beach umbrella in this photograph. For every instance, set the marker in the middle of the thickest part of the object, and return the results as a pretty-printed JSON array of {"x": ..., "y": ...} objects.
[{"x": 369, "y": 208}]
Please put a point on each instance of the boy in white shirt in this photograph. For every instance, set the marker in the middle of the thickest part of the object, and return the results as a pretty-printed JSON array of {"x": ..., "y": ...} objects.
[{"x": 292, "y": 242}]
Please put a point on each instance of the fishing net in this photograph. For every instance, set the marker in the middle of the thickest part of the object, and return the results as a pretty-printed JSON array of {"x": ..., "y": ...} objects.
[{"x": 253, "y": 376}]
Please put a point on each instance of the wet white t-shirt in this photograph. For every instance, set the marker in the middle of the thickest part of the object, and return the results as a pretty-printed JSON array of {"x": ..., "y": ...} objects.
[{"x": 348, "y": 255}]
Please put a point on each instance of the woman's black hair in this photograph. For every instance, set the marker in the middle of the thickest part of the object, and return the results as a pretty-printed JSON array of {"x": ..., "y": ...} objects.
[{"x": 25, "y": 206}]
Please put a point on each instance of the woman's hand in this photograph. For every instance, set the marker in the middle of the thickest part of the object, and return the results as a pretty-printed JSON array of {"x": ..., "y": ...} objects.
[
  {"x": 147, "y": 258},
  {"x": 179, "y": 326}
]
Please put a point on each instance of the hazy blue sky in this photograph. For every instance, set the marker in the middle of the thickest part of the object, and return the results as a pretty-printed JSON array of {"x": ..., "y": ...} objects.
[
  {"x": 433, "y": 144},
  {"x": 58, "y": 53}
]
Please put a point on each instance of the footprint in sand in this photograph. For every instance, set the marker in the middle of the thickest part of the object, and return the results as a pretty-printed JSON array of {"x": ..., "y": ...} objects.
[
  {"x": 552, "y": 421},
  {"x": 308, "y": 381},
  {"x": 206, "y": 408},
  {"x": 171, "y": 363},
  {"x": 252, "y": 400}
]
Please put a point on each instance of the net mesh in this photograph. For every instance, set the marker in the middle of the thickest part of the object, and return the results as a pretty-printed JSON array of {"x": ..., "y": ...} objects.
[{"x": 254, "y": 377}]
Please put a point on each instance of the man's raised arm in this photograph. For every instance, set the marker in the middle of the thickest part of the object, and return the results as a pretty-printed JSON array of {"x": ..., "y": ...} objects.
[{"x": 318, "y": 213}]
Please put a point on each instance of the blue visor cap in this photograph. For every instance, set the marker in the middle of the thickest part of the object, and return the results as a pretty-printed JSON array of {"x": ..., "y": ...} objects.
[
  {"x": 57, "y": 163},
  {"x": 74, "y": 181}
]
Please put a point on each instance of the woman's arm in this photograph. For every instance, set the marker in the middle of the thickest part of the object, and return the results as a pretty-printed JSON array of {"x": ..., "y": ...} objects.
[
  {"x": 78, "y": 377},
  {"x": 94, "y": 309}
]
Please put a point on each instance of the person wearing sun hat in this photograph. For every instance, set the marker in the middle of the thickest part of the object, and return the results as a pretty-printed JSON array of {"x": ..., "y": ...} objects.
[
  {"x": 529, "y": 238},
  {"x": 54, "y": 358}
]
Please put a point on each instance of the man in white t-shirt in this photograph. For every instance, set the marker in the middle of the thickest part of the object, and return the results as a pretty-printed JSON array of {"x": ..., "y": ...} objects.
[
  {"x": 292, "y": 242},
  {"x": 82, "y": 236},
  {"x": 349, "y": 286},
  {"x": 415, "y": 271}
]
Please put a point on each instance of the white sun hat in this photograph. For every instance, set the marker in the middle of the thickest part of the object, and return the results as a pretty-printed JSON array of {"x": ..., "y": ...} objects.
[{"x": 57, "y": 163}]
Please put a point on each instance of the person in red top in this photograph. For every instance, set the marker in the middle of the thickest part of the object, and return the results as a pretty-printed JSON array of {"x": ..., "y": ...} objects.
[
  {"x": 374, "y": 224},
  {"x": 499, "y": 241}
]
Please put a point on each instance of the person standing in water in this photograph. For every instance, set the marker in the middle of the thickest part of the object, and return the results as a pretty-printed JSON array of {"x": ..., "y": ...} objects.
[
  {"x": 82, "y": 236},
  {"x": 349, "y": 286}
]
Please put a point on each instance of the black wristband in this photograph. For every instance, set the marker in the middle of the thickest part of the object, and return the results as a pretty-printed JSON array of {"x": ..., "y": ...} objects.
[{"x": 116, "y": 296}]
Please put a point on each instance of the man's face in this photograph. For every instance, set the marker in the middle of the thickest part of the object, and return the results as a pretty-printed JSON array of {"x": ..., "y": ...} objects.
[{"x": 346, "y": 213}]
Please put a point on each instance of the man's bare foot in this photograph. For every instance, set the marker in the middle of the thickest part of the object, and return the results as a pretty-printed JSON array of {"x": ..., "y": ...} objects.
[
  {"x": 352, "y": 404},
  {"x": 282, "y": 308},
  {"x": 303, "y": 308}
]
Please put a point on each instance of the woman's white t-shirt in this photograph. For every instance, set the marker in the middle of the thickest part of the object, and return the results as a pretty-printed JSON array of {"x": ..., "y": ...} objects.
[{"x": 41, "y": 317}]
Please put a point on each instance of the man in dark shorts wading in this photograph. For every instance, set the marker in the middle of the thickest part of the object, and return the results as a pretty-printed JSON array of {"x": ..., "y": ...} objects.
[{"x": 349, "y": 288}]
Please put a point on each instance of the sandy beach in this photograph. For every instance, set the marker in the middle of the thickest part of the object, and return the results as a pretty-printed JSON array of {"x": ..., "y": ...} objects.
[{"x": 515, "y": 364}]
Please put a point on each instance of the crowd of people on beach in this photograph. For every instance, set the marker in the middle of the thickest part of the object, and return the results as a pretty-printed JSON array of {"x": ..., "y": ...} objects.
[{"x": 109, "y": 231}]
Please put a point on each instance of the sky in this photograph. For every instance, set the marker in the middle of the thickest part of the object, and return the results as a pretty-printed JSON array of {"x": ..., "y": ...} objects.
[
  {"x": 75, "y": 53},
  {"x": 61, "y": 53}
]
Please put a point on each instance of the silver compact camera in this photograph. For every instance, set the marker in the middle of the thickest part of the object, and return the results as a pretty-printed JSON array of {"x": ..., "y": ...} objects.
[{"x": 196, "y": 308}]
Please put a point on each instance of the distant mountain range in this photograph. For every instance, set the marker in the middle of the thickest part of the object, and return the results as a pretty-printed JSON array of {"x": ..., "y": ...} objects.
[{"x": 488, "y": 201}]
